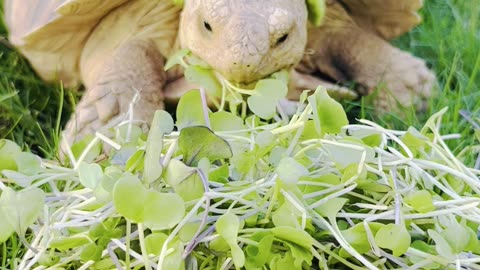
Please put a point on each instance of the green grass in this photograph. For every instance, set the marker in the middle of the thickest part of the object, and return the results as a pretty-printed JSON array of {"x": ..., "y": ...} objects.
[
  {"x": 449, "y": 40},
  {"x": 29, "y": 108}
]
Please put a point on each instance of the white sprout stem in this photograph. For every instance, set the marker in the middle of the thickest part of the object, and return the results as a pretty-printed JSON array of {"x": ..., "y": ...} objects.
[
  {"x": 203, "y": 221},
  {"x": 131, "y": 115},
  {"x": 143, "y": 248},
  {"x": 297, "y": 206},
  {"x": 131, "y": 252},
  {"x": 203, "y": 96},
  {"x": 342, "y": 241},
  {"x": 86, "y": 265},
  {"x": 71, "y": 157},
  {"x": 127, "y": 243},
  {"x": 170, "y": 153},
  {"x": 107, "y": 140},
  {"x": 333, "y": 195},
  {"x": 371, "y": 239},
  {"x": 193, "y": 211}
]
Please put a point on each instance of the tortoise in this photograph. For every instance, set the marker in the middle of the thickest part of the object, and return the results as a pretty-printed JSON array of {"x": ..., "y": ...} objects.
[{"x": 118, "y": 48}]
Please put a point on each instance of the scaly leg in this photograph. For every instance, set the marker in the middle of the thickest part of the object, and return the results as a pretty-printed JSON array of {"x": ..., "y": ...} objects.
[
  {"x": 345, "y": 52},
  {"x": 135, "y": 71}
]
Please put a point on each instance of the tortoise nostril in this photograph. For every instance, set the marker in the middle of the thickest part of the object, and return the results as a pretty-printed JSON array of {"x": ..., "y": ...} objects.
[
  {"x": 207, "y": 26},
  {"x": 281, "y": 40}
]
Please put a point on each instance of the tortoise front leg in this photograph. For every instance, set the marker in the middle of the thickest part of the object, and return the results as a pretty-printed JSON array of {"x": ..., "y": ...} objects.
[
  {"x": 135, "y": 71},
  {"x": 346, "y": 52}
]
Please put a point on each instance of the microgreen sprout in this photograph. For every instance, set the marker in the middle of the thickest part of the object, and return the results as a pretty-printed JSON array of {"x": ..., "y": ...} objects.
[{"x": 224, "y": 189}]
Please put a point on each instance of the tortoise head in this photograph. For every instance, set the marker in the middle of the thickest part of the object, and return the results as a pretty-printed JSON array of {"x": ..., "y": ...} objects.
[{"x": 245, "y": 40}]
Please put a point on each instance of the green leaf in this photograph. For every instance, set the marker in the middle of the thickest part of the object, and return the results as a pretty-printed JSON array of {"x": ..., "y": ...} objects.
[
  {"x": 457, "y": 235},
  {"x": 20, "y": 178},
  {"x": 227, "y": 227},
  {"x": 174, "y": 260},
  {"x": 97, "y": 230},
  {"x": 350, "y": 152},
  {"x": 296, "y": 236},
  {"x": 154, "y": 243},
  {"x": 421, "y": 201},
  {"x": 326, "y": 179},
  {"x": 289, "y": 170},
  {"x": 258, "y": 256},
  {"x": 133, "y": 201},
  {"x": 65, "y": 243},
  {"x": 265, "y": 139},
  {"x": 162, "y": 124},
  {"x": 356, "y": 236},
  {"x": 316, "y": 11},
  {"x": 176, "y": 172},
  {"x": 371, "y": 185},
  {"x": 393, "y": 237},
  {"x": 20, "y": 209},
  {"x": 441, "y": 245},
  {"x": 48, "y": 260},
  {"x": 90, "y": 175},
  {"x": 246, "y": 161},
  {"x": 178, "y": 2},
  {"x": 287, "y": 262},
  {"x": 300, "y": 254},
  {"x": 184, "y": 180},
  {"x": 219, "y": 245},
  {"x": 415, "y": 140},
  {"x": 177, "y": 57},
  {"x": 198, "y": 142},
  {"x": 162, "y": 210},
  {"x": 282, "y": 76},
  {"x": 205, "y": 78},
  {"x": 331, "y": 207},
  {"x": 80, "y": 146},
  {"x": 473, "y": 244},
  {"x": 422, "y": 246},
  {"x": 329, "y": 116},
  {"x": 268, "y": 93},
  {"x": 6, "y": 229},
  {"x": 110, "y": 177},
  {"x": 191, "y": 188},
  {"x": 285, "y": 216},
  {"x": 129, "y": 197},
  {"x": 91, "y": 252},
  {"x": 190, "y": 110},
  {"x": 136, "y": 161},
  {"x": 188, "y": 231},
  {"x": 104, "y": 264},
  {"x": 28, "y": 163},
  {"x": 226, "y": 121},
  {"x": 128, "y": 134},
  {"x": 8, "y": 152},
  {"x": 219, "y": 174}
]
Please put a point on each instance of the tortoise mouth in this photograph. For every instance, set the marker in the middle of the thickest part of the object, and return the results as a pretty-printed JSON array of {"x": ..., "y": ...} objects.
[{"x": 249, "y": 78}]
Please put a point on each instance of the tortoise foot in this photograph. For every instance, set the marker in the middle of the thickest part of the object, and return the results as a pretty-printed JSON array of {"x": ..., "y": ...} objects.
[
  {"x": 406, "y": 82},
  {"x": 130, "y": 87}
]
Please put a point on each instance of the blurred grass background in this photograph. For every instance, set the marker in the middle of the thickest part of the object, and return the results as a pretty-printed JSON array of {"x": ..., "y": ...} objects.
[{"x": 449, "y": 40}]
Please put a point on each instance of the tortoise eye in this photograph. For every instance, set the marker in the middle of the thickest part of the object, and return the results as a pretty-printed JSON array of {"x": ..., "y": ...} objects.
[
  {"x": 207, "y": 26},
  {"x": 281, "y": 40}
]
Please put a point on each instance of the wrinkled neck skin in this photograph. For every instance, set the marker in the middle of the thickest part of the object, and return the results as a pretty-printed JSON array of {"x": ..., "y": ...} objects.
[{"x": 245, "y": 40}]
